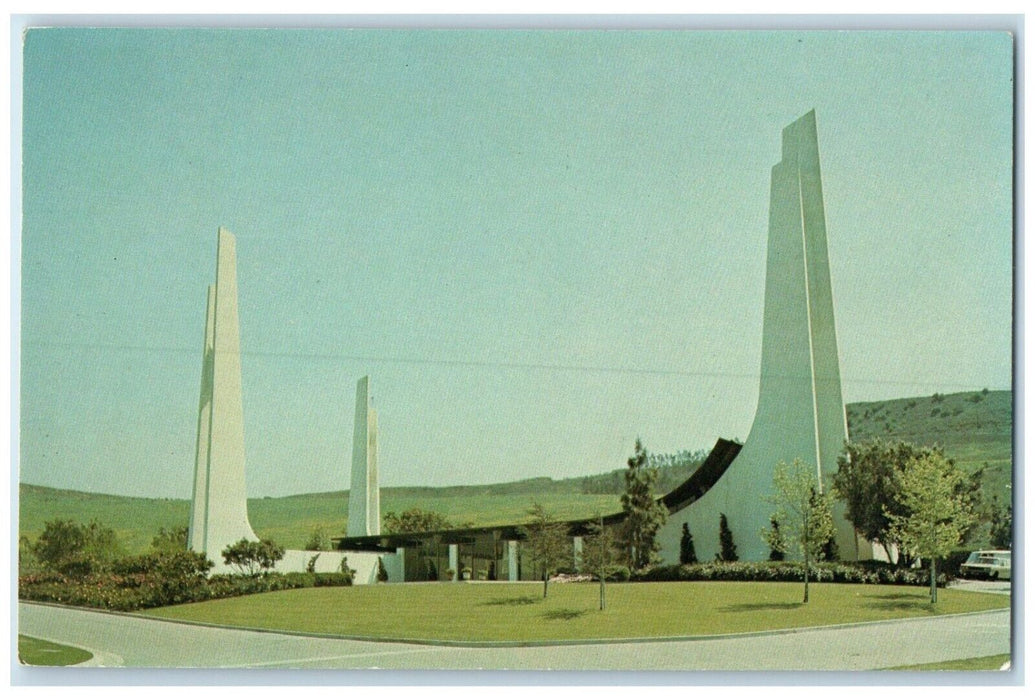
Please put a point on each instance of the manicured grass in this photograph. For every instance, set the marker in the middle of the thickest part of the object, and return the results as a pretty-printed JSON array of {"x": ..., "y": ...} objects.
[
  {"x": 518, "y": 612},
  {"x": 37, "y": 652},
  {"x": 980, "y": 663}
]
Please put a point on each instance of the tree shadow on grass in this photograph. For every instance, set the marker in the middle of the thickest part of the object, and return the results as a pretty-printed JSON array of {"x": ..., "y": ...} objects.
[
  {"x": 895, "y": 596},
  {"x": 756, "y": 607},
  {"x": 918, "y": 604},
  {"x": 563, "y": 614},
  {"x": 520, "y": 600}
]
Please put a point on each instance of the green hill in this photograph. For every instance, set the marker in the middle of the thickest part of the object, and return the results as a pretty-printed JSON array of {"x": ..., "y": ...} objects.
[{"x": 975, "y": 428}]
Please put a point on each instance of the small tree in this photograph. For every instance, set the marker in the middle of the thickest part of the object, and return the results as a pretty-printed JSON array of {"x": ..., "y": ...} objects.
[
  {"x": 252, "y": 558},
  {"x": 548, "y": 542},
  {"x": 75, "y": 549},
  {"x": 687, "y": 553},
  {"x": 804, "y": 509},
  {"x": 644, "y": 515},
  {"x": 600, "y": 555},
  {"x": 414, "y": 520},
  {"x": 939, "y": 511},
  {"x": 867, "y": 482},
  {"x": 727, "y": 549},
  {"x": 318, "y": 541},
  {"x": 171, "y": 540},
  {"x": 382, "y": 572}
]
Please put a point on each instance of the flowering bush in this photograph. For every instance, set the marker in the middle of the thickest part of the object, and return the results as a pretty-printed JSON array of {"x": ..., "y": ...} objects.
[
  {"x": 159, "y": 579},
  {"x": 834, "y": 572}
]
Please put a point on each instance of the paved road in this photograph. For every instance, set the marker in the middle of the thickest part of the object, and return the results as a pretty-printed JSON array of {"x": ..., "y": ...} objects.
[{"x": 118, "y": 640}]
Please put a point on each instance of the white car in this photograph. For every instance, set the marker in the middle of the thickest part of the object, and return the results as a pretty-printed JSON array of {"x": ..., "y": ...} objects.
[{"x": 987, "y": 563}]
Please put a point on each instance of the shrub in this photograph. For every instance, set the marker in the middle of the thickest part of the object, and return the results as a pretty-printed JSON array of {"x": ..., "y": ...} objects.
[
  {"x": 318, "y": 541},
  {"x": 382, "y": 572},
  {"x": 152, "y": 580},
  {"x": 834, "y": 572},
  {"x": 172, "y": 540},
  {"x": 950, "y": 565},
  {"x": 75, "y": 549},
  {"x": 728, "y": 550},
  {"x": 619, "y": 573},
  {"x": 687, "y": 553},
  {"x": 343, "y": 568},
  {"x": 253, "y": 557}
]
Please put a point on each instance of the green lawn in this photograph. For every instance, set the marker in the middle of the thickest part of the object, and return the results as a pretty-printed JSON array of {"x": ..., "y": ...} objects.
[
  {"x": 502, "y": 611},
  {"x": 981, "y": 663},
  {"x": 37, "y": 652}
]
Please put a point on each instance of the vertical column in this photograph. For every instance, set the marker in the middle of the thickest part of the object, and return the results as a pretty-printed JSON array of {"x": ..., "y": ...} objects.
[
  {"x": 225, "y": 504},
  {"x": 576, "y": 546},
  {"x": 373, "y": 491},
  {"x": 454, "y": 560},
  {"x": 400, "y": 556},
  {"x": 512, "y": 560},
  {"x": 364, "y": 498},
  {"x": 199, "y": 502}
]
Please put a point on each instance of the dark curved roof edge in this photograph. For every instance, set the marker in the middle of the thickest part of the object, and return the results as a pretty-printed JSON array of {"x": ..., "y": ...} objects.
[
  {"x": 698, "y": 484},
  {"x": 706, "y": 476}
]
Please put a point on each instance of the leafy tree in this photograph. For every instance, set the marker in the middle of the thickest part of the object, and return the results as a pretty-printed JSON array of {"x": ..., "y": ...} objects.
[
  {"x": 251, "y": 558},
  {"x": 687, "y": 553},
  {"x": 1002, "y": 525},
  {"x": 775, "y": 539},
  {"x": 804, "y": 509},
  {"x": 727, "y": 549},
  {"x": 939, "y": 512},
  {"x": 644, "y": 515},
  {"x": 548, "y": 542},
  {"x": 867, "y": 481},
  {"x": 414, "y": 520},
  {"x": 600, "y": 555},
  {"x": 171, "y": 540},
  {"x": 318, "y": 541},
  {"x": 75, "y": 549}
]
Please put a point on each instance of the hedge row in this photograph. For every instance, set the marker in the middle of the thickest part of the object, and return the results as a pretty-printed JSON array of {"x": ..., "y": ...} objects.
[
  {"x": 834, "y": 572},
  {"x": 138, "y": 591}
]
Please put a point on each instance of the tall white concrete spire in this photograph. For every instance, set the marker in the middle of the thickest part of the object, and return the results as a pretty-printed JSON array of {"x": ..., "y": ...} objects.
[
  {"x": 364, "y": 495},
  {"x": 219, "y": 510},
  {"x": 800, "y": 412}
]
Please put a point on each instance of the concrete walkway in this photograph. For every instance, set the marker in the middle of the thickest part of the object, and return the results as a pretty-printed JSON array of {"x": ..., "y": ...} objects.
[{"x": 120, "y": 640}]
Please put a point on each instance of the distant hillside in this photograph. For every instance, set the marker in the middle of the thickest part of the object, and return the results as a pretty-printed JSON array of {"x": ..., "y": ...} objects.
[{"x": 975, "y": 428}]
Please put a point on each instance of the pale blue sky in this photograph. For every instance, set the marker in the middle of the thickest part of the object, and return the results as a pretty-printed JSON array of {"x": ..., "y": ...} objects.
[{"x": 540, "y": 245}]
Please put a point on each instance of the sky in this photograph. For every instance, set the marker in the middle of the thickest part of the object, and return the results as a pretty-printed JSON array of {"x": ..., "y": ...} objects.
[{"x": 540, "y": 245}]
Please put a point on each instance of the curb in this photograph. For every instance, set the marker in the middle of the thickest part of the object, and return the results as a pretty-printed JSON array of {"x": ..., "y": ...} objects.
[{"x": 518, "y": 644}]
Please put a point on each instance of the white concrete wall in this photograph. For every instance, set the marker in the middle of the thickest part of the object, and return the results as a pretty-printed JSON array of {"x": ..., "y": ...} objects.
[{"x": 364, "y": 563}]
